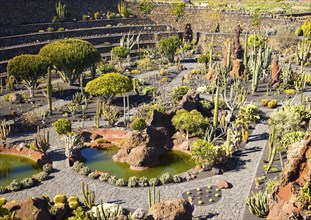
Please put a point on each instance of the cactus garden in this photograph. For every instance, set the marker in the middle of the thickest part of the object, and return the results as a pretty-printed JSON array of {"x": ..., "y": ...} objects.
[{"x": 149, "y": 109}]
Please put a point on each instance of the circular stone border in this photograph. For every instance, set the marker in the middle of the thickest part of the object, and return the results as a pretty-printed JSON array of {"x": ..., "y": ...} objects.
[{"x": 203, "y": 196}]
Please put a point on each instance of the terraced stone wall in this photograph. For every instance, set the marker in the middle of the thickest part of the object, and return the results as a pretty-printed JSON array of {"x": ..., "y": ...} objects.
[
  {"x": 15, "y": 12},
  {"x": 204, "y": 20}
]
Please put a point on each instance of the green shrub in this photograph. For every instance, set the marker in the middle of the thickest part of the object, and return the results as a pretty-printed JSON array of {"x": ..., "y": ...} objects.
[
  {"x": 121, "y": 182},
  {"x": 203, "y": 58},
  {"x": 145, "y": 64},
  {"x": 60, "y": 198},
  {"x": 143, "y": 181},
  {"x": 106, "y": 68},
  {"x": 61, "y": 29},
  {"x": 85, "y": 171},
  {"x": 195, "y": 71},
  {"x": 166, "y": 178},
  {"x": 292, "y": 137},
  {"x": 62, "y": 126},
  {"x": 298, "y": 31},
  {"x": 179, "y": 92},
  {"x": 119, "y": 52},
  {"x": 112, "y": 179},
  {"x": 71, "y": 57},
  {"x": 145, "y": 6},
  {"x": 27, "y": 183},
  {"x": 50, "y": 29},
  {"x": 168, "y": 46},
  {"x": 306, "y": 28},
  {"x": 15, "y": 185},
  {"x": 139, "y": 124},
  {"x": 41, "y": 176},
  {"x": 149, "y": 91},
  {"x": 177, "y": 10},
  {"x": 101, "y": 141},
  {"x": 104, "y": 177},
  {"x": 47, "y": 168},
  {"x": 154, "y": 182},
  {"x": 254, "y": 40},
  {"x": 133, "y": 181},
  {"x": 93, "y": 175},
  {"x": 29, "y": 68}
]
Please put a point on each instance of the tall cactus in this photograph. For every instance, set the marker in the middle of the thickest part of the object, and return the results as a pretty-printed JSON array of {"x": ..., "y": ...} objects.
[
  {"x": 152, "y": 199},
  {"x": 4, "y": 132},
  {"x": 216, "y": 109},
  {"x": 302, "y": 52},
  {"x": 229, "y": 52},
  {"x": 88, "y": 196},
  {"x": 49, "y": 91},
  {"x": 61, "y": 11},
  {"x": 211, "y": 47},
  {"x": 245, "y": 55},
  {"x": 258, "y": 204},
  {"x": 272, "y": 149}
]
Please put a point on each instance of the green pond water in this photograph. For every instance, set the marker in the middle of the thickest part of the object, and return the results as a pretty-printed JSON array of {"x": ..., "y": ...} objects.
[
  {"x": 173, "y": 162},
  {"x": 15, "y": 167}
]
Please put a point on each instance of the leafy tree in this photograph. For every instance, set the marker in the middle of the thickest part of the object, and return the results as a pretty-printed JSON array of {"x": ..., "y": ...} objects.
[
  {"x": 109, "y": 85},
  {"x": 71, "y": 57},
  {"x": 189, "y": 122},
  {"x": 178, "y": 10},
  {"x": 119, "y": 54},
  {"x": 29, "y": 68},
  {"x": 204, "y": 152},
  {"x": 169, "y": 45}
]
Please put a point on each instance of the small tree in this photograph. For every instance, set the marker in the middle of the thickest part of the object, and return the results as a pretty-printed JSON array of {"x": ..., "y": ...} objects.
[
  {"x": 119, "y": 54},
  {"x": 189, "y": 122},
  {"x": 29, "y": 68},
  {"x": 109, "y": 85},
  {"x": 71, "y": 57},
  {"x": 169, "y": 45}
]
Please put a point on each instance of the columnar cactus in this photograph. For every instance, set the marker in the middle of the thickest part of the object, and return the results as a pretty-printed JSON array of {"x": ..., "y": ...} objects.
[
  {"x": 302, "y": 52},
  {"x": 4, "y": 132},
  {"x": 88, "y": 196},
  {"x": 41, "y": 141},
  {"x": 216, "y": 109}
]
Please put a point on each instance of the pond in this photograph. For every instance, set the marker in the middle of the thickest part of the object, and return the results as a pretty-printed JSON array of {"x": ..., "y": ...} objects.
[
  {"x": 16, "y": 167},
  {"x": 174, "y": 162}
]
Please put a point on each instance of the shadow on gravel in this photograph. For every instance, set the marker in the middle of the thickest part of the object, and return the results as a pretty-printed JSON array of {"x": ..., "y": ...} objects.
[
  {"x": 204, "y": 217},
  {"x": 57, "y": 155},
  {"x": 259, "y": 137}
]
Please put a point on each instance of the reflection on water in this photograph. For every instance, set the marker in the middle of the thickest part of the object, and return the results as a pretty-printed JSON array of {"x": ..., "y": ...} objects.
[
  {"x": 16, "y": 167},
  {"x": 173, "y": 162}
]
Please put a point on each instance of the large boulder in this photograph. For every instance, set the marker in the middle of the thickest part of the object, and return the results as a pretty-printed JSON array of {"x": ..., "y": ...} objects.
[
  {"x": 190, "y": 101},
  {"x": 178, "y": 209},
  {"x": 30, "y": 208},
  {"x": 285, "y": 200}
]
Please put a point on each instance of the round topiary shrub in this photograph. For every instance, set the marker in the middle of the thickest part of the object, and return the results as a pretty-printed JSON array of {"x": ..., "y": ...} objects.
[
  {"x": 104, "y": 177},
  {"x": 143, "y": 181},
  {"x": 93, "y": 175},
  {"x": 77, "y": 166},
  {"x": 112, "y": 180},
  {"x": 47, "y": 168},
  {"x": 121, "y": 182},
  {"x": 41, "y": 176},
  {"x": 62, "y": 126},
  {"x": 85, "y": 171},
  {"x": 166, "y": 178},
  {"x": 133, "y": 181},
  {"x": 27, "y": 183},
  {"x": 14, "y": 186},
  {"x": 154, "y": 182},
  {"x": 177, "y": 179},
  {"x": 139, "y": 124}
]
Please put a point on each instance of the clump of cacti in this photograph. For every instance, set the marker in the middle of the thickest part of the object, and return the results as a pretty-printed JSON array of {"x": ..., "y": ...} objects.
[
  {"x": 152, "y": 196},
  {"x": 302, "y": 52},
  {"x": 88, "y": 196},
  {"x": 41, "y": 140},
  {"x": 258, "y": 204},
  {"x": 61, "y": 11}
]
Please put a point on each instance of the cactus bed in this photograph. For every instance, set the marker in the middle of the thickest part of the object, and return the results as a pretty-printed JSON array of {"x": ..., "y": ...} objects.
[{"x": 204, "y": 196}]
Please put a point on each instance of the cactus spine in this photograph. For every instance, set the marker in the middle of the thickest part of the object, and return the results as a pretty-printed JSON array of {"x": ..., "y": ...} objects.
[
  {"x": 4, "y": 132},
  {"x": 88, "y": 196},
  {"x": 258, "y": 204},
  {"x": 216, "y": 109},
  {"x": 61, "y": 11}
]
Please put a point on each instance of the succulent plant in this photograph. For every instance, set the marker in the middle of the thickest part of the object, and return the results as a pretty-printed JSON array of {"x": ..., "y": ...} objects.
[
  {"x": 93, "y": 175},
  {"x": 47, "y": 168},
  {"x": 85, "y": 171},
  {"x": 27, "y": 182},
  {"x": 60, "y": 198},
  {"x": 166, "y": 178},
  {"x": 104, "y": 177},
  {"x": 143, "y": 181},
  {"x": 40, "y": 176},
  {"x": 112, "y": 179},
  {"x": 154, "y": 182},
  {"x": 133, "y": 181},
  {"x": 121, "y": 182},
  {"x": 77, "y": 166}
]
